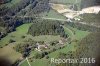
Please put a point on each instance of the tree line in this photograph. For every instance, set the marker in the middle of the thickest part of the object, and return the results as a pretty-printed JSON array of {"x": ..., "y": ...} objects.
[{"x": 47, "y": 27}]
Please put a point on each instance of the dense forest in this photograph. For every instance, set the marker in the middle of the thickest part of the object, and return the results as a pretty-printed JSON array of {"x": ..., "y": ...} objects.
[
  {"x": 47, "y": 27},
  {"x": 91, "y": 18},
  {"x": 25, "y": 48},
  {"x": 89, "y": 3},
  {"x": 9, "y": 25},
  {"x": 36, "y": 6},
  {"x": 9, "y": 20},
  {"x": 90, "y": 46},
  {"x": 84, "y": 27}
]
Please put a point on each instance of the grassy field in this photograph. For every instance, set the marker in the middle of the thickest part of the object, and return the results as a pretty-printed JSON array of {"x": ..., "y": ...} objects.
[
  {"x": 71, "y": 47},
  {"x": 8, "y": 50},
  {"x": 25, "y": 63},
  {"x": 69, "y": 32},
  {"x": 52, "y": 14},
  {"x": 46, "y": 38},
  {"x": 16, "y": 35},
  {"x": 37, "y": 62},
  {"x": 78, "y": 34},
  {"x": 9, "y": 53}
]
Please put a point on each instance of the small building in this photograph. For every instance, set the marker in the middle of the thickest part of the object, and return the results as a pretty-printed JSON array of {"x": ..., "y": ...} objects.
[
  {"x": 62, "y": 41},
  {"x": 41, "y": 47}
]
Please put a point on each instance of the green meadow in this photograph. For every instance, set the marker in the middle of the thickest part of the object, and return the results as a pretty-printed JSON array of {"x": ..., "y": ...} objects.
[
  {"x": 16, "y": 35},
  {"x": 52, "y": 14}
]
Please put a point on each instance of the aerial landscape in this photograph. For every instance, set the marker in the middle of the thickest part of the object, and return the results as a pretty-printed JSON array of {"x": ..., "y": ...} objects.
[{"x": 49, "y": 32}]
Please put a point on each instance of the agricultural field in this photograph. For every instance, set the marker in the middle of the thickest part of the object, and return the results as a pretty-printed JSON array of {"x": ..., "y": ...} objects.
[
  {"x": 46, "y": 38},
  {"x": 52, "y": 14},
  {"x": 9, "y": 53}
]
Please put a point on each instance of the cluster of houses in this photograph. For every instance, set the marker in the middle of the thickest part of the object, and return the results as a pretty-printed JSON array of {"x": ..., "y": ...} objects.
[{"x": 40, "y": 47}]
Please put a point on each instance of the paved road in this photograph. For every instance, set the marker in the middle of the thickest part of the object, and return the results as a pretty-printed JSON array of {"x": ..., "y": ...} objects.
[
  {"x": 28, "y": 61},
  {"x": 83, "y": 23}
]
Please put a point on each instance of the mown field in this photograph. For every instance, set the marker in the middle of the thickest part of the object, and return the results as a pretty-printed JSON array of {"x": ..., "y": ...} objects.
[
  {"x": 46, "y": 38},
  {"x": 9, "y": 53}
]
